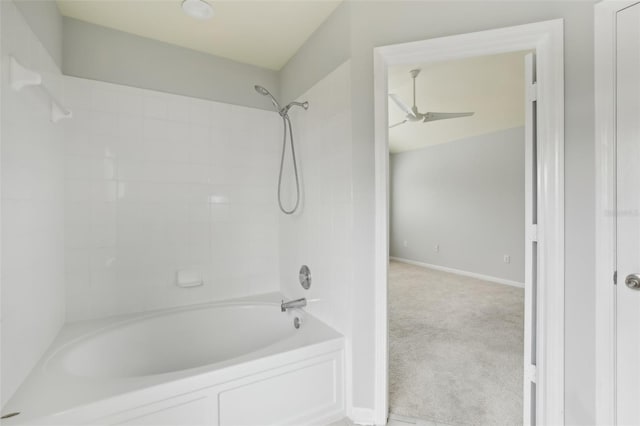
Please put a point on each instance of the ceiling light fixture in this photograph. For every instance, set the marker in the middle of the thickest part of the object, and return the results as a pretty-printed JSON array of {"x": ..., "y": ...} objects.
[{"x": 198, "y": 9}]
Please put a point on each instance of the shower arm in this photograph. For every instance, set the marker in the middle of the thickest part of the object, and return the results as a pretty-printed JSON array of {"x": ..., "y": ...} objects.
[{"x": 285, "y": 111}]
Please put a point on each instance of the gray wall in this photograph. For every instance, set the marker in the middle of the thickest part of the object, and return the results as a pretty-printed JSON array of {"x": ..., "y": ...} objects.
[
  {"x": 32, "y": 197},
  {"x": 45, "y": 21},
  {"x": 99, "y": 53},
  {"x": 467, "y": 196},
  {"x": 381, "y": 23},
  {"x": 325, "y": 49}
]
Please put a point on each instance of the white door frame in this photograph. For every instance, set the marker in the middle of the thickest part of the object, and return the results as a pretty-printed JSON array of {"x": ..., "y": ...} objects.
[
  {"x": 605, "y": 157},
  {"x": 547, "y": 40}
]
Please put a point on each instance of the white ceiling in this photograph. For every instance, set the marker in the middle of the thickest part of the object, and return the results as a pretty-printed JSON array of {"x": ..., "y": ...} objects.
[
  {"x": 265, "y": 33},
  {"x": 491, "y": 86}
]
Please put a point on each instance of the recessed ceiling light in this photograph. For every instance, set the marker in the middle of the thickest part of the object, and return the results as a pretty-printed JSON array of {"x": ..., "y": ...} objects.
[{"x": 198, "y": 9}]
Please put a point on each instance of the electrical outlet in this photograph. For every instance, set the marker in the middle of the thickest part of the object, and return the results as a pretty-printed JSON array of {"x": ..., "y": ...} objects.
[
  {"x": 507, "y": 258},
  {"x": 405, "y": 243},
  {"x": 437, "y": 248}
]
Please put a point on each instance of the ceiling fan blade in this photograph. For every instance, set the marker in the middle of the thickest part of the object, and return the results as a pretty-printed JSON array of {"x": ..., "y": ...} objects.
[
  {"x": 397, "y": 124},
  {"x": 433, "y": 116},
  {"x": 396, "y": 100}
]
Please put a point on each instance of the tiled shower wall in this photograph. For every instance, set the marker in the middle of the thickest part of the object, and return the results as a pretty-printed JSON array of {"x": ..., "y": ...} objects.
[
  {"x": 32, "y": 207},
  {"x": 320, "y": 234},
  {"x": 157, "y": 183}
]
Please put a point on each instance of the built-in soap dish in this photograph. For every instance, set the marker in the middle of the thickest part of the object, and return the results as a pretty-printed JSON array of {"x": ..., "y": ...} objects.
[{"x": 187, "y": 278}]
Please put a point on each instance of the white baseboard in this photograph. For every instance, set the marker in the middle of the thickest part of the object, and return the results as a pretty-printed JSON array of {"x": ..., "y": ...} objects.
[
  {"x": 362, "y": 416},
  {"x": 459, "y": 272},
  {"x": 328, "y": 418},
  {"x": 410, "y": 420}
]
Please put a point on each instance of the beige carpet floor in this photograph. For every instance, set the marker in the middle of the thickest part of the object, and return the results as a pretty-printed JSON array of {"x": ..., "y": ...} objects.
[{"x": 456, "y": 348}]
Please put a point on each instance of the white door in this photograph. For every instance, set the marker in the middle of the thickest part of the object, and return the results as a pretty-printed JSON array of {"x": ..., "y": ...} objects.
[
  {"x": 628, "y": 216},
  {"x": 531, "y": 243}
]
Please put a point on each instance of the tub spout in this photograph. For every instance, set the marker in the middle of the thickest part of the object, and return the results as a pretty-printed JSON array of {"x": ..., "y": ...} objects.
[{"x": 298, "y": 303}]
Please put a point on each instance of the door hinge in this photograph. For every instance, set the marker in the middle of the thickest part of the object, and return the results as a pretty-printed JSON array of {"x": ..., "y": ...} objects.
[
  {"x": 533, "y": 233},
  {"x": 615, "y": 277},
  {"x": 531, "y": 373},
  {"x": 532, "y": 93}
]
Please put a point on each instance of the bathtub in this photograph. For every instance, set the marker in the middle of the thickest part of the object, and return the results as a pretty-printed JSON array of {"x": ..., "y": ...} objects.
[{"x": 239, "y": 362}]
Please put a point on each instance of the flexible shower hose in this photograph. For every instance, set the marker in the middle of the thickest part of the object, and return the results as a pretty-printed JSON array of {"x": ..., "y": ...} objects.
[{"x": 287, "y": 122}]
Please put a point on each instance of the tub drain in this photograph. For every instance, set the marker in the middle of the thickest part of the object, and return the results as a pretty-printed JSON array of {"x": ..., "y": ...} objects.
[{"x": 296, "y": 322}]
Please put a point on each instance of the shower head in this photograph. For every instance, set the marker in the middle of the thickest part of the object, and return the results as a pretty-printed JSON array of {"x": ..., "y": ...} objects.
[
  {"x": 262, "y": 90},
  {"x": 265, "y": 92}
]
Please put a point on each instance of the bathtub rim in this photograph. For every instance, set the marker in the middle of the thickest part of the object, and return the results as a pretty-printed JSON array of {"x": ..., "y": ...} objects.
[
  {"x": 33, "y": 392},
  {"x": 122, "y": 321}
]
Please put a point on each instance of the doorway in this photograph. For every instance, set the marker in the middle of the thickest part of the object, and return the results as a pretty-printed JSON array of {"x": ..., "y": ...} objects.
[
  {"x": 544, "y": 371},
  {"x": 457, "y": 239}
]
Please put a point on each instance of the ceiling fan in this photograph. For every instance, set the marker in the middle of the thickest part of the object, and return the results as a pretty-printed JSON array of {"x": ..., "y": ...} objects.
[{"x": 412, "y": 114}]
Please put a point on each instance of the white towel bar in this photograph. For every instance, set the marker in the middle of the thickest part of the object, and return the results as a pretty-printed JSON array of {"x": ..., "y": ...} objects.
[{"x": 22, "y": 77}]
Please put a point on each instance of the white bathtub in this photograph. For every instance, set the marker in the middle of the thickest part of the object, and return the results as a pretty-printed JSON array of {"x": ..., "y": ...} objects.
[{"x": 240, "y": 362}]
